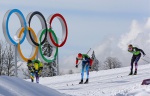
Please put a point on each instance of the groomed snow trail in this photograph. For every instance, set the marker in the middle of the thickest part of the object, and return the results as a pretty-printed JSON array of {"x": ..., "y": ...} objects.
[{"x": 114, "y": 82}]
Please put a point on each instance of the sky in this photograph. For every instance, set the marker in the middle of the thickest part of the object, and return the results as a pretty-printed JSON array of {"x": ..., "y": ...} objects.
[{"x": 105, "y": 26}]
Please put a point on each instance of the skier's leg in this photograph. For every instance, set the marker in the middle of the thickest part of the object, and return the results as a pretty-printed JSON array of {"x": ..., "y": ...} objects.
[
  {"x": 136, "y": 63},
  {"x": 32, "y": 76},
  {"x": 37, "y": 77},
  {"x": 82, "y": 73},
  {"x": 87, "y": 72},
  {"x": 132, "y": 61}
]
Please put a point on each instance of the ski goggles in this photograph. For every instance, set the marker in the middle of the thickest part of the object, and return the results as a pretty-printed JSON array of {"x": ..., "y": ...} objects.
[{"x": 130, "y": 49}]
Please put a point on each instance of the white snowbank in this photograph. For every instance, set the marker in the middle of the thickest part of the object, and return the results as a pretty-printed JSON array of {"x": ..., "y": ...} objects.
[{"x": 12, "y": 86}]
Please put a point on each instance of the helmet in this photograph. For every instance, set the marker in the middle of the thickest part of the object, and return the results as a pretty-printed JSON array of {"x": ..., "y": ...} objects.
[{"x": 79, "y": 55}]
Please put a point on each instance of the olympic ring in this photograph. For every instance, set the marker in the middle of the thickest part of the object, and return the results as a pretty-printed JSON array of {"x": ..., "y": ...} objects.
[
  {"x": 55, "y": 49},
  {"x": 5, "y": 25},
  {"x": 34, "y": 52},
  {"x": 31, "y": 36},
  {"x": 64, "y": 29},
  {"x": 43, "y": 23}
]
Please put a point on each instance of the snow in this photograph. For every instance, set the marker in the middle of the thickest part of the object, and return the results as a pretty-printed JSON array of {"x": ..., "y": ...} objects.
[
  {"x": 113, "y": 82},
  {"x": 12, "y": 86}
]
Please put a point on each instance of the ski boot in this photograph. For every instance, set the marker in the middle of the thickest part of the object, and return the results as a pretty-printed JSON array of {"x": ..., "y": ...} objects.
[
  {"x": 81, "y": 82},
  {"x": 131, "y": 73},
  {"x": 135, "y": 72},
  {"x": 86, "y": 82}
]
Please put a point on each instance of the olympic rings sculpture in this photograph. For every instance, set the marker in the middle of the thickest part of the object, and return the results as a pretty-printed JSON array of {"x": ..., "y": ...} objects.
[{"x": 26, "y": 31}]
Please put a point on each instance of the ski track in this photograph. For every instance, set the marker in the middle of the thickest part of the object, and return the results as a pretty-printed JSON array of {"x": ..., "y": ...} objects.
[
  {"x": 93, "y": 79},
  {"x": 105, "y": 83}
]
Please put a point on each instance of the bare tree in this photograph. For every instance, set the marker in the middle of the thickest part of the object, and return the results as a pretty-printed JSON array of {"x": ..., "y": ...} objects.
[
  {"x": 7, "y": 66},
  {"x": 112, "y": 62},
  {"x": 9, "y": 61},
  {"x": 26, "y": 73},
  {"x": 2, "y": 57}
]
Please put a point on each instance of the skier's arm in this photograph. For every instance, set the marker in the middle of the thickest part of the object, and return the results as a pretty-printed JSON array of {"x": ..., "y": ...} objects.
[
  {"x": 91, "y": 62},
  {"x": 77, "y": 61},
  {"x": 141, "y": 51}
]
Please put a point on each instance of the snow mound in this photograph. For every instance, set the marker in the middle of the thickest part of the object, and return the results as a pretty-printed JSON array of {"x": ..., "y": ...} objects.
[{"x": 12, "y": 86}]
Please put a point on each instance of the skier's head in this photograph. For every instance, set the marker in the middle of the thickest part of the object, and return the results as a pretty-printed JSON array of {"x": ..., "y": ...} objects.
[
  {"x": 29, "y": 61},
  {"x": 130, "y": 47},
  {"x": 79, "y": 56}
]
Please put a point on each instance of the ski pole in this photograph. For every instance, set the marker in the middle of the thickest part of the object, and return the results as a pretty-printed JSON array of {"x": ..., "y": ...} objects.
[
  {"x": 145, "y": 60},
  {"x": 86, "y": 53},
  {"x": 147, "y": 57}
]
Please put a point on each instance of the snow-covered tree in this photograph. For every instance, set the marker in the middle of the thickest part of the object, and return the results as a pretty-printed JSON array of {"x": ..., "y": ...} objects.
[
  {"x": 7, "y": 65},
  {"x": 112, "y": 62},
  {"x": 95, "y": 65},
  {"x": 49, "y": 69}
]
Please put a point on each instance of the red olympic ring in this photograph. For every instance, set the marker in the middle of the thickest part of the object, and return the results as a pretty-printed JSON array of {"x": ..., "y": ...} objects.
[{"x": 64, "y": 29}]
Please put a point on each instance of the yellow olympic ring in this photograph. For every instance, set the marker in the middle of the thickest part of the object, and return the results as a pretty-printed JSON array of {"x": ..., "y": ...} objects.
[{"x": 35, "y": 48}]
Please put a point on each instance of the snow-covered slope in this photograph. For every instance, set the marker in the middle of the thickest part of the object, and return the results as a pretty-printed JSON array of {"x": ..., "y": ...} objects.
[
  {"x": 12, "y": 86},
  {"x": 114, "y": 82}
]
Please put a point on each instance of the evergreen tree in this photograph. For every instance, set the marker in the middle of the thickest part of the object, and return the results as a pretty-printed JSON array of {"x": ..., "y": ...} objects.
[
  {"x": 49, "y": 69},
  {"x": 95, "y": 65}
]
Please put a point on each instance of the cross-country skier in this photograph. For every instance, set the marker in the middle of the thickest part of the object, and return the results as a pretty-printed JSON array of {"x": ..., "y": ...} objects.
[
  {"x": 35, "y": 67},
  {"x": 86, "y": 63},
  {"x": 135, "y": 58}
]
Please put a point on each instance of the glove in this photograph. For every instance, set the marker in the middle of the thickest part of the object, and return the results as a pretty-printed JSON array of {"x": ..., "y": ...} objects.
[
  {"x": 76, "y": 66},
  {"x": 90, "y": 67}
]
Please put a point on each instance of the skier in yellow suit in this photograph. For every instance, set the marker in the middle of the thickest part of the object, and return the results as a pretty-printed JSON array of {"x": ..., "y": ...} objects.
[{"x": 35, "y": 67}]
